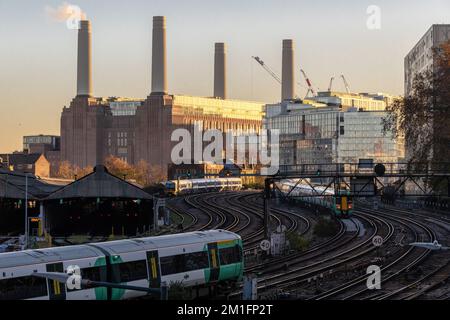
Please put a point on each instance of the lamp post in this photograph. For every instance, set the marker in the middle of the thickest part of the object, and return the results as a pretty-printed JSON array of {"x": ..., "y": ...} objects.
[{"x": 25, "y": 246}]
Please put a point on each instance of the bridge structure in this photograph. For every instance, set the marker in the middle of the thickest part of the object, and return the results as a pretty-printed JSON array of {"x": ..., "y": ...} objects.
[{"x": 361, "y": 180}]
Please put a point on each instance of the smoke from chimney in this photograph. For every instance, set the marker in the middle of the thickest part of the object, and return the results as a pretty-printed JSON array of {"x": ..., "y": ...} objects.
[
  {"x": 65, "y": 12},
  {"x": 159, "y": 59},
  {"x": 84, "y": 74},
  {"x": 220, "y": 73},
  {"x": 287, "y": 75}
]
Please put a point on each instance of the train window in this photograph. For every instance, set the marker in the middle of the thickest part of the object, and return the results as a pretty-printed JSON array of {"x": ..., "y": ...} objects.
[
  {"x": 230, "y": 255},
  {"x": 196, "y": 261},
  {"x": 133, "y": 270},
  {"x": 184, "y": 263},
  {"x": 170, "y": 265},
  {"x": 23, "y": 288},
  {"x": 93, "y": 274}
]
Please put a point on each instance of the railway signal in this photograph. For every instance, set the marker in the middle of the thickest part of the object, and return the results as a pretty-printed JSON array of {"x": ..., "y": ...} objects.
[{"x": 380, "y": 169}]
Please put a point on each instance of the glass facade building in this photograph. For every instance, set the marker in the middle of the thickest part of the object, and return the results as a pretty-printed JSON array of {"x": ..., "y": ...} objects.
[
  {"x": 312, "y": 134},
  {"x": 124, "y": 107}
]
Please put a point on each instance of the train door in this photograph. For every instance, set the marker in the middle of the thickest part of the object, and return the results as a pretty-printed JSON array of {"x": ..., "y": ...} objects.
[
  {"x": 153, "y": 269},
  {"x": 56, "y": 290},
  {"x": 214, "y": 265},
  {"x": 344, "y": 205}
]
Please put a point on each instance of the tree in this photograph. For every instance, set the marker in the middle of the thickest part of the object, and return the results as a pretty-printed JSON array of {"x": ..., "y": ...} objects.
[
  {"x": 422, "y": 117},
  {"x": 143, "y": 173},
  {"x": 67, "y": 171},
  {"x": 119, "y": 167}
]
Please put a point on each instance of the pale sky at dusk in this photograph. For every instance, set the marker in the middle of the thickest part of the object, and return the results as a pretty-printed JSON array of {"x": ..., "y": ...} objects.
[{"x": 38, "y": 54}]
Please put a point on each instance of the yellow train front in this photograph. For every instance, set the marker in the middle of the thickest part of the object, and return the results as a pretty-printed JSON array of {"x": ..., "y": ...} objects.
[
  {"x": 343, "y": 204},
  {"x": 340, "y": 205}
]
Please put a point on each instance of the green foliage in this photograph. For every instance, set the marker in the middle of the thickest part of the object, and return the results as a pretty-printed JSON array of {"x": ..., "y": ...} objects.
[
  {"x": 297, "y": 242},
  {"x": 177, "y": 291},
  {"x": 325, "y": 228}
]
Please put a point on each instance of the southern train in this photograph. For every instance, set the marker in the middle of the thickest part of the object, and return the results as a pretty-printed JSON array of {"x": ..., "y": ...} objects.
[
  {"x": 176, "y": 187},
  {"x": 340, "y": 205},
  {"x": 196, "y": 260}
]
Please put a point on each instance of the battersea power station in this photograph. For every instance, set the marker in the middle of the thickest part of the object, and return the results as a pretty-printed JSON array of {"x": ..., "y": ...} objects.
[{"x": 93, "y": 128}]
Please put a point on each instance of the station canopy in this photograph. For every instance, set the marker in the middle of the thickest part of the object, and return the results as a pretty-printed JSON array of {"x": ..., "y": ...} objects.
[
  {"x": 13, "y": 186},
  {"x": 100, "y": 184}
]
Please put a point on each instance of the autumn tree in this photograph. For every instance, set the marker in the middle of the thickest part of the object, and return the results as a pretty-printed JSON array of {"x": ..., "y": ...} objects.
[
  {"x": 143, "y": 173},
  {"x": 67, "y": 171},
  {"x": 119, "y": 167}
]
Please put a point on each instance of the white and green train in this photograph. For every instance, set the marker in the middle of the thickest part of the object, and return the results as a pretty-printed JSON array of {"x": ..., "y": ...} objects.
[
  {"x": 195, "y": 259},
  {"x": 177, "y": 187},
  {"x": 340, "y": 205}
]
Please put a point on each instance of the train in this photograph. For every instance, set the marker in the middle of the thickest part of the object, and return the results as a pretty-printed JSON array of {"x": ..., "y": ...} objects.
[
  {"x": 196, "y": 260},
  {"x": 178, "y": 187},
  {"x": 340, "y": 205}
]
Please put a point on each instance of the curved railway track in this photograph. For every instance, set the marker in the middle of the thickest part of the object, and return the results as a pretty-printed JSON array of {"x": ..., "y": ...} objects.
[{"x": 243, "y": 213}]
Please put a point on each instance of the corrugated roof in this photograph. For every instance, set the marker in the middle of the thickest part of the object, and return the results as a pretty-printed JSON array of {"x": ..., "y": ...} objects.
[
  {"x": 99, "y": 184},
  {"x": 12, "y": 186}
]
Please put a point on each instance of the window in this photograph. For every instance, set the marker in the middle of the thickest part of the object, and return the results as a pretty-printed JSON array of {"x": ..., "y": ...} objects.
[
  {"x": 132, "y": 271},
  {"x": 342, "y": 131},
  {"x": 22, "y": 288},
  {"x": 93, "y": 274},
  {"x": 184, "y": 263},
  {"x": 230, "y": 255},
  {"x": 196, "y": 261}
]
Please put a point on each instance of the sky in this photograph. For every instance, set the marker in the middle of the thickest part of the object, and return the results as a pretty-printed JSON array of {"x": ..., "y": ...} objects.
[{"x": 38, "y": 53}]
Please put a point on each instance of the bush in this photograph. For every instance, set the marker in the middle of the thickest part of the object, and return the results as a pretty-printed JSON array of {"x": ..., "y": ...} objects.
[
  {"x": 325, "y": 228},
  {"x": 177, "y": 291},
  {"x": 297, "y": 242}
]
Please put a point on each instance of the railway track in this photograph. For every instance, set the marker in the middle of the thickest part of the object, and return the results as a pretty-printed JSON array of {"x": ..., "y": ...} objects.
[
  {"x": 243, "y": 213},
  {"x": 239, "y": 212}
]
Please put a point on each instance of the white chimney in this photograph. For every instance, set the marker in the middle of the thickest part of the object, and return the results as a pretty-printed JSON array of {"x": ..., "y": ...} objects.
[
  {"x": 220, "y": 75},
  {"x": 84, "y": 74},
  {"x": 287, "y": 76},
  {"x": 159, "y": 60}
]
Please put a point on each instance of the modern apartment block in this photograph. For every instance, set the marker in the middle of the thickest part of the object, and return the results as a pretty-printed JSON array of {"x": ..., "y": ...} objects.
[{"x": 420, "y": 58}]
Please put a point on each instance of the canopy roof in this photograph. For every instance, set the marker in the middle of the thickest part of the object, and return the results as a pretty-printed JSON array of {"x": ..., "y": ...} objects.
[
  {"x": 99, "y": 184},
  {"x": 13, "y": 186}
]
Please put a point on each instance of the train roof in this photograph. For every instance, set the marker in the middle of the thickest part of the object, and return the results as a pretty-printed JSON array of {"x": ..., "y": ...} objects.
[
  {"x": 206, "y": 180},
  {"x": 171, "y": 240},
  {"x": 28, "y": 257},
  {"x": 305, "y": 186}
]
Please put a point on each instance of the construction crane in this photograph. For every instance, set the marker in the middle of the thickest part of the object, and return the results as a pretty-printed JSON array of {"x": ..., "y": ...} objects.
[
  {"x": 267, "y": 69},
  {"x": 310, "y": 87},
  {"x": 331, "y": 84},
  {"x": 345, "y": 83},
  {"x": 273, "y": 74}
]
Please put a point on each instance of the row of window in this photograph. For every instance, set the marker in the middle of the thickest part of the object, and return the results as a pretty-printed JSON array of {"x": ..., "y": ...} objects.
[
  {"x": 22, "y": 288},
  {"x": 31, "y": 287}
]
